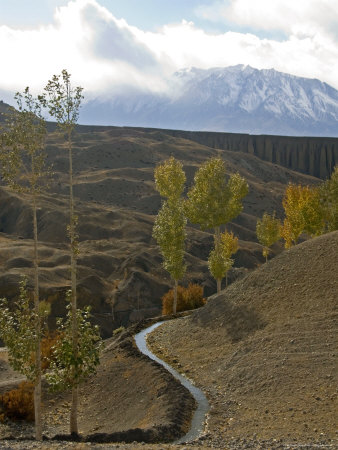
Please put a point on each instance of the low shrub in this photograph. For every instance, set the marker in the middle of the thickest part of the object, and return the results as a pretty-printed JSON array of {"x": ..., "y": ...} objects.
[
  {"x": 18, "y": 404},
  {"x": 47, "y": 346},
  {"x": 187, "y": 298}
]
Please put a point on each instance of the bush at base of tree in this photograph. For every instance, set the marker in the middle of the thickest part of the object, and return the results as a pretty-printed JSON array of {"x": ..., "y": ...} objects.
[
  {"x": 187, "y": 298},
  {"x": 48, "y": 342},
  {"x": 18, "y": 404}
]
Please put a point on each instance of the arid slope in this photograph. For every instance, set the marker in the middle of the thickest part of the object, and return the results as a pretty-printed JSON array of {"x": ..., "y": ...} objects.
[
  {"x": 116, "y": 203},
  {"x": 265, "y": 349}
]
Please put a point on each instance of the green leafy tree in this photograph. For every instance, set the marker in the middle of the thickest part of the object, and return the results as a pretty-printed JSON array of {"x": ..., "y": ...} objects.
[
  {"x": 21, "y": 329},
  {"x": 23, "y": 164},
  {"x": 19, "y": 332},
  {"x": 170, "y": 223},
  {"x": 213, "y": 201},
  {"x": 63, "y": 102},
  {"x": 220, "y": 261},
  {"x": 329, "y": 199},
  {"x": 268, "y": 232},
  {"x": 69, "y": 368}
]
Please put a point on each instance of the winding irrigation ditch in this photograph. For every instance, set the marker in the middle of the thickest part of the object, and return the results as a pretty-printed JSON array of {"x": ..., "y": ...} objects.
[{"x": 199, "y": 417}]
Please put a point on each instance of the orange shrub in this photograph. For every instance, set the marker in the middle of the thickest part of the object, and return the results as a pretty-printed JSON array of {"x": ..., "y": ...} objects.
[
  {"x": 187, "y": 298},
  {"x": 18, "y": 404},
  {"x": 47, "y": 344}
]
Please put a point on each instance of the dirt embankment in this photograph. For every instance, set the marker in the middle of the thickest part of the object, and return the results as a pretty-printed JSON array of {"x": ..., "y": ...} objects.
[
  {"x": 265, "y": 349},
  {"x": 131, "y": 398}
]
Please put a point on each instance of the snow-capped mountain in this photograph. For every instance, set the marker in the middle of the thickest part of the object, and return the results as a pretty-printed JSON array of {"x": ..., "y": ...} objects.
[{"x": 233, "y": 99}]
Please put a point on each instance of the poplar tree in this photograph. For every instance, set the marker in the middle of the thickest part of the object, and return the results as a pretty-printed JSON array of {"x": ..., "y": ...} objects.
[
  {"x": 304, "y": 213},
  {"x": 170, "y": 223},
  {"x": 23, "y": 164},
  {"x": 268, "y": 232},
  {"x": 220, "y": 261},
  {"x": 214, "y": 199},
  {"x": 65, "y": 372},
  {"x": 63, "y": 102}
]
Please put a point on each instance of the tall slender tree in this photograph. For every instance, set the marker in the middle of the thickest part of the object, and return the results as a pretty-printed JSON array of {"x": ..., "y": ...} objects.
[
  {"x": 23, "y": 163},
  {"x": 170, "y": 223},
  {"x": 214, "y": 200},
  {"x": 268, "y": 232},
  {"x": 63, "y": 102}
]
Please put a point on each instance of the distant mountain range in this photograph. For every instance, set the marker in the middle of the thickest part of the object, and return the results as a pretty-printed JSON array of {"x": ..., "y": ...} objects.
[{"x": 237, "y": 99}]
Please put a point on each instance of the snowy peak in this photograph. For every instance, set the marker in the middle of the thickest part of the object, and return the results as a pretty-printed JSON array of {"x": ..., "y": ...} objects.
[{"x": 236, "y": 99}]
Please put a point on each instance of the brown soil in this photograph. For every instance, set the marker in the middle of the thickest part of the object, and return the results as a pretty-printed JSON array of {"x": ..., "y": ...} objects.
[
  {"x": 131, "y": 398},
  {"x": 265, "y": 349}
]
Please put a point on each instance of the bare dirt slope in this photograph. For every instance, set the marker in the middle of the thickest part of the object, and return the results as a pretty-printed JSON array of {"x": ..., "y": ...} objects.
[
  {"x": 265, "y": 349},
  {"x": 130, "y": 398},
  {"x": 116, "y": 203},
  {"x": 264, "y": 352}
]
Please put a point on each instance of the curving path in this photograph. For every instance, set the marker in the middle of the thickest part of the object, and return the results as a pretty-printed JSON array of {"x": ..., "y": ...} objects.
[{"x": 199, "y": 417}]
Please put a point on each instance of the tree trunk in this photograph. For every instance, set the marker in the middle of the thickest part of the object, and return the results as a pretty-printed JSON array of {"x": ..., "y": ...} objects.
[
  {"x": 73, "y": 255},
  {"x": 37, "y": 385},
  {"x": 226, "y": 279},
  {"x": 73, "y": 411},
  {"x": 217, "y": 236},
  {"x": 175, "y": 297},
  {"x": 217, "y": 243}
]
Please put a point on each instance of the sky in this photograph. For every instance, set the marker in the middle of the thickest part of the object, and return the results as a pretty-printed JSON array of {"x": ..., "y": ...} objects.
[{"x": 111, "y": 46}]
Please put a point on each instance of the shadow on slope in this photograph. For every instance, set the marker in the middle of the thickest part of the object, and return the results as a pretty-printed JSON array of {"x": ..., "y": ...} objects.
[{"x": 265, "y": 348}]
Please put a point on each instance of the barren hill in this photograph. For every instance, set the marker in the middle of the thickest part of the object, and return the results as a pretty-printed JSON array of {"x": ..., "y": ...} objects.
[
  {"x": 116, "y": 203},
  {"x": 265, "y": 349}
]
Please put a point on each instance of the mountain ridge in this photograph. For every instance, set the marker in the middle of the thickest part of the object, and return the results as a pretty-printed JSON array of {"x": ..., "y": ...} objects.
[{"x": 237, "y": 99}]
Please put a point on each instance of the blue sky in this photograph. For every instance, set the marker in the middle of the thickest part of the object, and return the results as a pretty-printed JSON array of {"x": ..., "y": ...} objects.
[
  {"x": 109, "y": 45},
  {"x": 146, "y": 14}
]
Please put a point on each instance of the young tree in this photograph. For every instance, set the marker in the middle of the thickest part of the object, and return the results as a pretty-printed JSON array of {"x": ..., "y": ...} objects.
[
  {"x": 19, "y": 332},
  {"x": 214, "y": 201},
  {"x": 22, "y": 157},
  {"x": 63, "y": 102},
  {"x": 304, "y": 213},
  {"x": 66, "y": 371},
  {"x": 268, "y": 232},
  {"x": 170, "y": 223},
  {"x": 329, "y": 199},
  {"x": 220, "y": 261}
]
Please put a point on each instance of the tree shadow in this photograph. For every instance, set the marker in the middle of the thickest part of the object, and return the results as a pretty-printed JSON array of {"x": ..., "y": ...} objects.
[{"x": 239, "y": 320}]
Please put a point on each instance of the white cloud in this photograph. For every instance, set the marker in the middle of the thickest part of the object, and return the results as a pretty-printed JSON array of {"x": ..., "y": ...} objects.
[
  {"x": 296, "y": 17},
  {"x": 105, "y": 55},
  {"x": 99, "y": 51}
]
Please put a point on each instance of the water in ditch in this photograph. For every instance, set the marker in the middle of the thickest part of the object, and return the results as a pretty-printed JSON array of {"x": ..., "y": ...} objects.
[{"x": 199, "y": 417}]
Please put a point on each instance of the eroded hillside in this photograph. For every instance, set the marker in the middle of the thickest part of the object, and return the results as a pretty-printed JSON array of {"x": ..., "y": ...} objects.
[{"x": 116, "y": 203}]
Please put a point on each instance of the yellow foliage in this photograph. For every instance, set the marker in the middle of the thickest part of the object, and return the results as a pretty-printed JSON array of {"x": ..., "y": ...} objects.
[
  {"x": 304, "y": 213},
  {"x": 187, "y": 298}
]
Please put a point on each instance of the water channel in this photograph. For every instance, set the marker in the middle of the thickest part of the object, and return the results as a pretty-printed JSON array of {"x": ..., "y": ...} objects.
[{"x": 199, "y": 417}]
